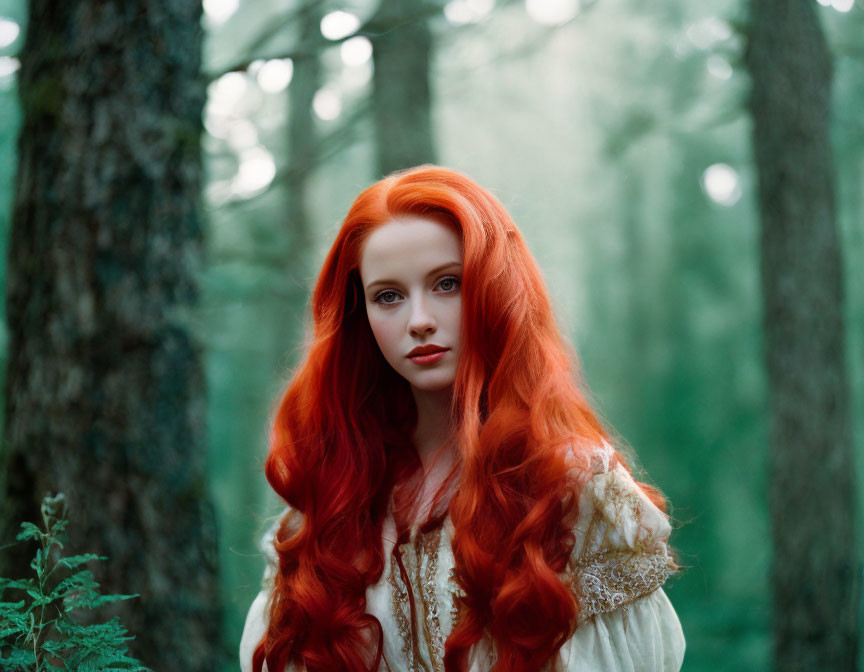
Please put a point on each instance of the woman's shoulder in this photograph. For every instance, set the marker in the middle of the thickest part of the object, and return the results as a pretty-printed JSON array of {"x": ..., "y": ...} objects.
[{"x": 621, "y": 548}]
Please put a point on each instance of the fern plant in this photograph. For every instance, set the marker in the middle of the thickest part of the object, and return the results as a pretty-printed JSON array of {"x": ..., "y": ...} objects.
[{"x": 38, "y": 632}]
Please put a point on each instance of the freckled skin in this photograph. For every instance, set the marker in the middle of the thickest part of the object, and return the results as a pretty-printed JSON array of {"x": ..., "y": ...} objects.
[{"x": 416, "y": 308}]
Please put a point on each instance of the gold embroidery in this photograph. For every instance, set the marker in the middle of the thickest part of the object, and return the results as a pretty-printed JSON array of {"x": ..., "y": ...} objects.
[
  {"x": 420, "y": 560},
  {"x": 426, "y": 546},
  {"x": 609, "y": 578},
  {"x": 621, "y": 557},
  {"x": 401, "y": 599},
  {"x": 399, "y": 596},
  {"x": 455, "y": 592}
]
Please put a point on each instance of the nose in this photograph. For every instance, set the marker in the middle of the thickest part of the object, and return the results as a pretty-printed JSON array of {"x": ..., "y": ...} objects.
[{"x": 421, "y": 320}]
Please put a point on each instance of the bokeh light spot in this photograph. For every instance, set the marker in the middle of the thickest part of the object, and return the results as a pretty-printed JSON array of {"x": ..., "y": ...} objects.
[{"x": 722, "y": 184}]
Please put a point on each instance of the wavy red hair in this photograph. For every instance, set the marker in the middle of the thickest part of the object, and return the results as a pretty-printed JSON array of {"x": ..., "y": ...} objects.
[{"x": 340, "y": 448}]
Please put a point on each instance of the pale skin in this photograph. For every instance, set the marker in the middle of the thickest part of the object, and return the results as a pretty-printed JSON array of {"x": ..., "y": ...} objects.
[{"x": 411, "y": 271}]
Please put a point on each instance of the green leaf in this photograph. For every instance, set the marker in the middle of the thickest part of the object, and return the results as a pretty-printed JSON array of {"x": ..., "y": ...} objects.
[
  {"x": 101, "y": 645},
  {"x": 14, "y": 615},
  {"x": 80, "y": 591},
  {"x": 68, "y": 628},
  {"x": 38, "y": 598},
  {"x": 29, "y": 531},
  {"x": 36, "y": 563},
  {"x": 81, "y": 580},
  {"x": 19, "y": 659},
  {"x": 39, "y": 601},
  {"x": 74, "y": 561},
  {"x": 6, "y": 632},
  {"x": 10, "y": 606},
  {"x": 58, "y": 527},
  {"x": 45, "y": 666},
  {"x": 16, "y": 584},
  {"x": 35, "y": 593},
  {"x": 101, "y": 632},
  {"x": 54, "y": 647},
  {"x": 92, "y": 603},
  {"x": 128, "y": 664},
  {"x": 68, "y": 585}
]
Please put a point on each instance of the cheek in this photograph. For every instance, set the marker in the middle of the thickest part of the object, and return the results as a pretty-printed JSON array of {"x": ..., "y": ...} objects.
[
  {"x": 455, "y": 320},
  {"x": 384, "y": 332}
]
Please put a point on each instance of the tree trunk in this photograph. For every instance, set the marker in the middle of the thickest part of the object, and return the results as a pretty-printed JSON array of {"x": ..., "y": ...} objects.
[
  {"x": 105, "y": 392},
  {"x": 302, "y": 136},
  {"x": 816, "y": 569},
  {"x": 402, "y": 46}
]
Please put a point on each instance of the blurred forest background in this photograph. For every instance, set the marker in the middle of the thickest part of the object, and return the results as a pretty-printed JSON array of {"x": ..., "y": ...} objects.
[{"x": 616, "y": 133}]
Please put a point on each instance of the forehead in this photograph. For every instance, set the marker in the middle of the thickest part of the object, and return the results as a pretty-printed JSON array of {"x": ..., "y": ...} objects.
[{"x": 407, "y": 247}]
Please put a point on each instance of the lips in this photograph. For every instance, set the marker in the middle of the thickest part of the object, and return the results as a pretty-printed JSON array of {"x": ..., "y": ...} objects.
[{"x": 426, "y": 350}]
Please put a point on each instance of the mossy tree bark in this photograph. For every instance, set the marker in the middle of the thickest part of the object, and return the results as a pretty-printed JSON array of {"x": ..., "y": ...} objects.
[
  {"x": 105, "y": 392},
  {"x": 816, "y": 570}
]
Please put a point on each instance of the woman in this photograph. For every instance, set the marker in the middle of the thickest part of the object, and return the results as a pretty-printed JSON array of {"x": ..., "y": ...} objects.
[{"x": 453, "y": 501}]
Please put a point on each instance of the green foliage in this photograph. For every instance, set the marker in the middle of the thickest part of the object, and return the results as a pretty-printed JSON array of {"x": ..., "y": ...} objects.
[{"x": 37, "y": 630}]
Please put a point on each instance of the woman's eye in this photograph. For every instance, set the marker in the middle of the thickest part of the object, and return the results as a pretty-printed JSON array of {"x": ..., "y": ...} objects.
[
  {"x": 386, "y": 297},
  {"x": 449, "y": 284},
  {"x": 389, "y": 297}
]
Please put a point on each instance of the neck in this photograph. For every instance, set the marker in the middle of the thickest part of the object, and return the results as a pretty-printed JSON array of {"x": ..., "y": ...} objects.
[
  {"x": 433, "y": 424},
  {"x": 437, "y": 455}
]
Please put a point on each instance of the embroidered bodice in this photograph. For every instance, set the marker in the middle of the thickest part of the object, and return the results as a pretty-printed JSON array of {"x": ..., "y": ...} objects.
[{"x": 619, "y": 562}]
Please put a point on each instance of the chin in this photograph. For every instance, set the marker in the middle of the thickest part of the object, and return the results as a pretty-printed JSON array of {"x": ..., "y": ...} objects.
[{"x": 432, "y": 384}]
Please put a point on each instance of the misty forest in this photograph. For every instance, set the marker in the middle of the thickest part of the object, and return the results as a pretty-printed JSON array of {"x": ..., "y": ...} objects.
[{"x": 689, "y": 177}]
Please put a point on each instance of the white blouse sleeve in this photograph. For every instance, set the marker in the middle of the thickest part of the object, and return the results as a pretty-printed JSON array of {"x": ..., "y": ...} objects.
[
  {"x": 643, "y": 636},
  {"x": 619, "y": 563},
  {"x": 253, "y": 630},
  {"x": 258, "y": 616}
]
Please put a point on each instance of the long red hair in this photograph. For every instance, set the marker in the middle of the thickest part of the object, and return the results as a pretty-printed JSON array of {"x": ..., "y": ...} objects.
[{"x": 340, "y": 446}]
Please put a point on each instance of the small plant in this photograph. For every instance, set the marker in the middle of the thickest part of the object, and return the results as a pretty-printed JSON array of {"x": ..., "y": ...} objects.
[{"x": 38, "y": 632}]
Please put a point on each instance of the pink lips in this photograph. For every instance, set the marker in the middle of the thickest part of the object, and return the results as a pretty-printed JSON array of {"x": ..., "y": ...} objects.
[
  {"x": 431, "y": 358},
  {"x": 427, "y": 354}
]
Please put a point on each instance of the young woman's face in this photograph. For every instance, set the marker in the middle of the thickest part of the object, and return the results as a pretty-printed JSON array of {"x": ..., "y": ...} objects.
[{"x": 411, "y": 270}]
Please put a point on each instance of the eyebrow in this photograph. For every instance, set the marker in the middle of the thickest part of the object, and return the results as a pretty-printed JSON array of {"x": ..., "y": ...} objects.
[{"x": 437, "y": 269}]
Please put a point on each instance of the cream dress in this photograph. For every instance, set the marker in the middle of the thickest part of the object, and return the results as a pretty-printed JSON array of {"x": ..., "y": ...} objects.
[{"x": 620, "y": 561}]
